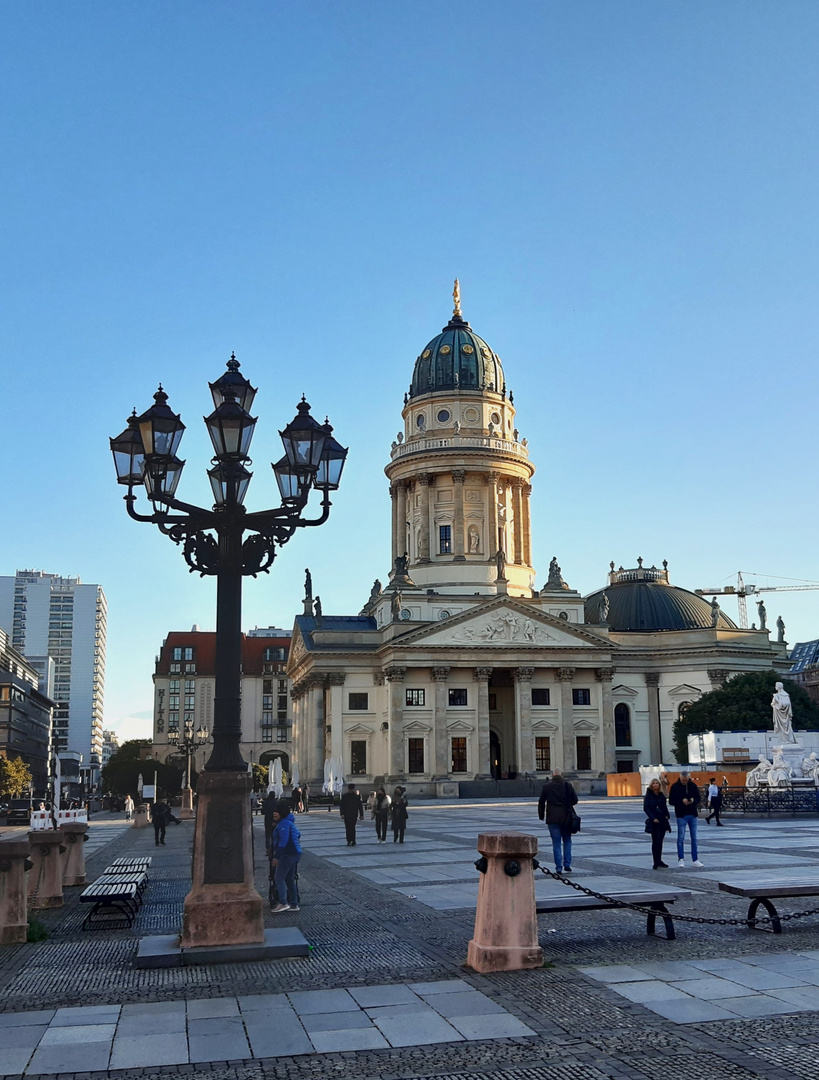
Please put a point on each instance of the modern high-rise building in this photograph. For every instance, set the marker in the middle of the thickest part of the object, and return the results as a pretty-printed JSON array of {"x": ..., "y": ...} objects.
[{"x": 60, "y": 617}]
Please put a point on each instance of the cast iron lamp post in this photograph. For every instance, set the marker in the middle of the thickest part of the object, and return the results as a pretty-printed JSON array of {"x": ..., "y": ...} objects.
[
  {"x": 187, "y": 745},
  {"x": 223, "y": 906}
]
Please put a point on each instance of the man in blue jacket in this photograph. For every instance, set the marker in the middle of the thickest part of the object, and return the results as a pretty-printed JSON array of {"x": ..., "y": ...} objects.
[{"x": 285, "y": 853}]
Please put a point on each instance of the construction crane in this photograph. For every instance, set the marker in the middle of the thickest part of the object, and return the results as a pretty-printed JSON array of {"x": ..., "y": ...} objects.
[{"x": 741, "y": 591}]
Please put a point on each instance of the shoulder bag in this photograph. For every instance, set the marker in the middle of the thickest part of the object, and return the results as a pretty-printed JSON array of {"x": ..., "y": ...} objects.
[{"x": 573, "y": 816}]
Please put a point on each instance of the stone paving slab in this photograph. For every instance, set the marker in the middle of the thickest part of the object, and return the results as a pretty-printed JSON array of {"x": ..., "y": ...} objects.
[{"x": 233, "y": 1029}]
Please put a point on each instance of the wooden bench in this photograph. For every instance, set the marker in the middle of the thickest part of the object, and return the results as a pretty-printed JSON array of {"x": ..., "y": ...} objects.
[
  {"x": 115, "y": 876},
  {"x": 655, "y": 899},
  {"x": 135, "y": 862},
  {"x": 120, "y": 897},
  {"x": 774, "y": 886}
]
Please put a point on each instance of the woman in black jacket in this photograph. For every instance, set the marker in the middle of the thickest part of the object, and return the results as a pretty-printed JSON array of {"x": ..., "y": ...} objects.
[{"x": 655, "y": 807}]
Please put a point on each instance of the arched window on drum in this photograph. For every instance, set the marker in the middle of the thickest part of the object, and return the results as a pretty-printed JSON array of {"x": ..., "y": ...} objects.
[{"x": 622, "y": 725}]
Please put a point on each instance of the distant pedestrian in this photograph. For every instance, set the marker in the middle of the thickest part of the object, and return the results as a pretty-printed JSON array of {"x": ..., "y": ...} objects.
[
  {"x": 352, "y": 811},
  {"x": 714, "y": 801},
  {"x": 305, "y": 797},
  {"x": 658, "y": 821},
  {"x": 268, "y": 808},
  {"x": 685, "y": 798},
  {"x": 381, "y": 813},
  {"x": 555, "y": 806},
  {"x": 160, "y": 813},
  {"x": 400, "y": 813},
  {"x": 285, "y": 853}
]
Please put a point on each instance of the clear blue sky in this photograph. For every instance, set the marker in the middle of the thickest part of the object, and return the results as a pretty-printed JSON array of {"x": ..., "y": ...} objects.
[{"x": 627, "y": 192}]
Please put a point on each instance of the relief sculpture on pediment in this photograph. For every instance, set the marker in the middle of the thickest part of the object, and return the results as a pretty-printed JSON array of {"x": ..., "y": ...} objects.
[{"x": 502, "y": 627}]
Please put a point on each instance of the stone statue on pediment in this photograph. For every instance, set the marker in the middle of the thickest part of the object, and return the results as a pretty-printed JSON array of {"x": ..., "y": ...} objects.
[
  {"x": 783, "y": 714},
  {"x": 555, "y": 576},
  {"x": 375, "y": 591}
]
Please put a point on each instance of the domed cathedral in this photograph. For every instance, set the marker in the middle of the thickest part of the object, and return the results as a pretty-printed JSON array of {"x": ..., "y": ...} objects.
[
  {"x": 459, "y": 472},
  {"x": 459, "y": 670}
]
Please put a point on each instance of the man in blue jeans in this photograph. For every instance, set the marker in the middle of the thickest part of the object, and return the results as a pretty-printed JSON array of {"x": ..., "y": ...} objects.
[
  {"x": 556, "y": 801},
  {"x": 685, "y": 798}
]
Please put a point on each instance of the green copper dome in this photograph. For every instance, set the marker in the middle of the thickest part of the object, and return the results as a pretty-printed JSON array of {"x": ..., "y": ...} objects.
[{"x": 457, "y": 359}]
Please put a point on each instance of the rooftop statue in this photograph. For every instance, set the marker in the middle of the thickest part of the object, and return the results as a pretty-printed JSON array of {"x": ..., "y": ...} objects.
[{"x": 763, "y": 615}]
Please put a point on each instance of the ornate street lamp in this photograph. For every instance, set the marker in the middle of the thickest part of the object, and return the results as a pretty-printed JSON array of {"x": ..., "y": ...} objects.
[
  {"x": 223, "y": 906},
  {"x": 188, "y": 745}
]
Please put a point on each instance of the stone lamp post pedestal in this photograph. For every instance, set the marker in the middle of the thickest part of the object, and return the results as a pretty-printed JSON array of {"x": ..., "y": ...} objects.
[
  {"x": 223, "y": 906},
  {"x": 74, "y": 834}
]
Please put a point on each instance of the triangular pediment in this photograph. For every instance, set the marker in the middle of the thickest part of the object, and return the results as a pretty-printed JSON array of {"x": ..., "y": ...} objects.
[
  {"x": 416, "y": 725},
  {"x": 359, "y": 729},
  {"x": 458, "y": 726},
  {"x": 543, "y": 726},
  {"x": 505, "y": 621},
  {"x": 584, "y": 725},
  {"x": 685, "y": 690},
  {"x": 623, "y": 691}
]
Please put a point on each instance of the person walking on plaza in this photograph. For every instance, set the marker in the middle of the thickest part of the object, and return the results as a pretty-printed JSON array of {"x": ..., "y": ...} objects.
[
  {"x": 714, "y": 801},
  {"x": 658, "y": 821},
  {"x": 305, "y": 797},
  {"x": 129, "y": 807},
  {"x": 685, "y": 798},
  {"x": 285, "y": 853},
  {"x": 400, "y": 813},
  {"x": 555, "y": 805},
  {"x": 352, "y": 811},
  {"x": 381, "y": 813},
  {"x": 160, "y": 812},
  {"x": 295, "y": 798}
]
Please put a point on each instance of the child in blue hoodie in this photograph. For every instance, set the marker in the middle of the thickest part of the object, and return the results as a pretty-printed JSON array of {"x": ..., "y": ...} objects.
[{"x": 285, "y": 853}]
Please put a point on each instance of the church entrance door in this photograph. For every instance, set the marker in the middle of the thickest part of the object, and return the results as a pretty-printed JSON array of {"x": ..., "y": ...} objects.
[{"x": 494, "y": 755}]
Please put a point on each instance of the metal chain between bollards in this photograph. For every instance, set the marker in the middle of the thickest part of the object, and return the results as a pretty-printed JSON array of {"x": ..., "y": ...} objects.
[{"x": 677, "y": 918}]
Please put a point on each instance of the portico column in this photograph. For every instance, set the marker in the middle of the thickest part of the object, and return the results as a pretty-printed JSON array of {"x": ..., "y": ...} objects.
[
  {"x": 482, "y": 676},
  {"x": 604, "y": 676},
  {"x": 442, "y": 761},
  {"x": 335, "y": 681},
  {"x": 401, "y": 544},
  {"x": 395, "y": 677},
  {"x": 655, "y": 738},
  {"x": 423, "y": 541},
  {"x": 317, "y": 717},
  {"x": 492, "y": 538},
  {"x": 517, "y": 506},
  {"x": 565, "y": 675},
  {"x": 523, "y": 726},
  {"x": 458, "y": 477},
  {"x": 394, "y": 499},
  {"x": 527, "y": 525}
]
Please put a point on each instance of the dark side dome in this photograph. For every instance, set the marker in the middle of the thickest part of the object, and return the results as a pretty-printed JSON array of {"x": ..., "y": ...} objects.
[
  {"x": 457, "y": 359},
  {"x": 642, "y": 601}
]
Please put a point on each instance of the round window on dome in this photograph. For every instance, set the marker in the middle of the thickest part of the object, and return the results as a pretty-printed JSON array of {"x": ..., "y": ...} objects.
[
  {"x": 484, "y": 350},
  {"x": 443, "y": 415},
  {"x": 471, "y": 415},
  {"x": 495, "y": 418},
  {"x": 467, "y": 349},
  {"x": 445, "y": 350},
  {"x": 425, "y": 355},
  {"x": 420, "y": 421}
]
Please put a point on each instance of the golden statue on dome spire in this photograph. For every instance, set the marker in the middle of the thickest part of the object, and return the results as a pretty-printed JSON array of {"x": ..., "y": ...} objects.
[{"x": 456, "y": 296}]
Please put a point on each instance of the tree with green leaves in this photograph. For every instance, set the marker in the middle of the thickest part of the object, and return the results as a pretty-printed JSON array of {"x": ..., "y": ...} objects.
[
  {"x": 259, "y": 777},
  {"x": 121, "y": 773},
  {"x": 15, "y": 777},
  {"x": 742, "y": 704}
]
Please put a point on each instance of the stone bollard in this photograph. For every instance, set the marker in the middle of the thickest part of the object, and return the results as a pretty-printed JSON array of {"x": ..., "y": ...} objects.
[
  {"x": 45, "y": 882},
  {"x": 14, "y": 861},
  {"x": 187, "y": 805},
  {"x": 142, "y": 816},
  {"x": 505, "y": 937},
  {"x": 74, "y": 837}
]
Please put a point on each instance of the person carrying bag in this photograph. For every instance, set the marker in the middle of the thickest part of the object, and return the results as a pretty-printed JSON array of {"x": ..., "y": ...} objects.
[{"x": 556, "y": 805}]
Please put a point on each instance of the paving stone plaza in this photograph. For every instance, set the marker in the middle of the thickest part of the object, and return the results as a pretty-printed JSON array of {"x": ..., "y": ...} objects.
[{"x": 384, "y": 992}]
